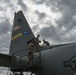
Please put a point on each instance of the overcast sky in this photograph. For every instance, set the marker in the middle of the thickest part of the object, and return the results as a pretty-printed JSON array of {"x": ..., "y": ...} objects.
[{"x": 54, "y": 20}]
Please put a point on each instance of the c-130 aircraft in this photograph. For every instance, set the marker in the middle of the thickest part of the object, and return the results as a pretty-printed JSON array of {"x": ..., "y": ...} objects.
[{"x": 50, "y": 60}]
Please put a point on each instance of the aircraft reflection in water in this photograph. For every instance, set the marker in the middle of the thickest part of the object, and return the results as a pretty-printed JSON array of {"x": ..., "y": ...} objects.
[{"x": 50, "y": 60}]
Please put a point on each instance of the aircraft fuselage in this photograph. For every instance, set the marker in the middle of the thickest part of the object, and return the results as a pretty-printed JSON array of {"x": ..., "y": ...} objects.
[{"x": 58, "y": 61}]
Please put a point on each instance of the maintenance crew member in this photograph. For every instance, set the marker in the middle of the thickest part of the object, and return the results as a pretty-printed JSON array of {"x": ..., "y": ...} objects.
[
  {"x": 31, "y": 49},
  {"x": 36, "y": 42},
  {"x": 45, "y": 43}
]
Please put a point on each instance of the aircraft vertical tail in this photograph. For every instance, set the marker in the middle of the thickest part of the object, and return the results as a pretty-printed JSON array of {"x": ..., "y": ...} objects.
[{"x": 21, "y": 34}]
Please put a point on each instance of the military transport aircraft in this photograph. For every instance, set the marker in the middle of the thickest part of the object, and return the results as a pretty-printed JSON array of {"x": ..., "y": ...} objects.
[{"x": 49, "y": 60}]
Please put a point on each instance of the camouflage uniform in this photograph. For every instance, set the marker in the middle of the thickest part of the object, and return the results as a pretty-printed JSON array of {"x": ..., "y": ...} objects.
[
  {"x": 36, "y": 43},
  {"x": 45, "y": 43},
  {"x": 31, "y": 52}
]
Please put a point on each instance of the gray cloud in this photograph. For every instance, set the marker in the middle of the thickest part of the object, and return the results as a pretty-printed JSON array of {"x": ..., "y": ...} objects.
[
  {"x": 4, "y": 43},
  {"x": 39, "y": 1},
  {"x": 41, "y": 15},
  {"x": 67, "y": 8},
  {"x": 5, "y": 27},
  {"x": 35, "y": 29},
  {"x": 51, "y": 33},
  {"x": 23, "y": 6},
  {"x": 5, "y": 30},
  {"x": 9, "y": 3},
  {"x": 68, "y": 11},
  {"x": 56, "y": 35}
]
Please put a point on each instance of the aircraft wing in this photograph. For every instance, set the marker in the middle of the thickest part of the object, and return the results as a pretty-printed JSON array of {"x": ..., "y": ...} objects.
[{"x": 5, "y": 60}]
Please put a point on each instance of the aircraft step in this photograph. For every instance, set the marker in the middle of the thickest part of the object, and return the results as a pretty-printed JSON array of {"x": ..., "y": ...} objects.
[{"x": 28, "y": 67}]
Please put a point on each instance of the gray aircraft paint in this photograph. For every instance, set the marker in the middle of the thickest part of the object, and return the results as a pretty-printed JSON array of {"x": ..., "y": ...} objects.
[
  {"x": 52, "y": 61},
  {"x": 21, "y": 34}
]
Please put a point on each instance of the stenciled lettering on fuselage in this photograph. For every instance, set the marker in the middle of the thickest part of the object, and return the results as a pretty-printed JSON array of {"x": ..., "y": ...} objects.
[
  {"x": 16, "y": 27},
  {"x": 20, "y": 34}
]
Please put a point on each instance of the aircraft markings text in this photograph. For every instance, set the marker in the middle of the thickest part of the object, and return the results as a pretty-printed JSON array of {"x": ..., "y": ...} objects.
[{"x": 20, "y": 34}]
